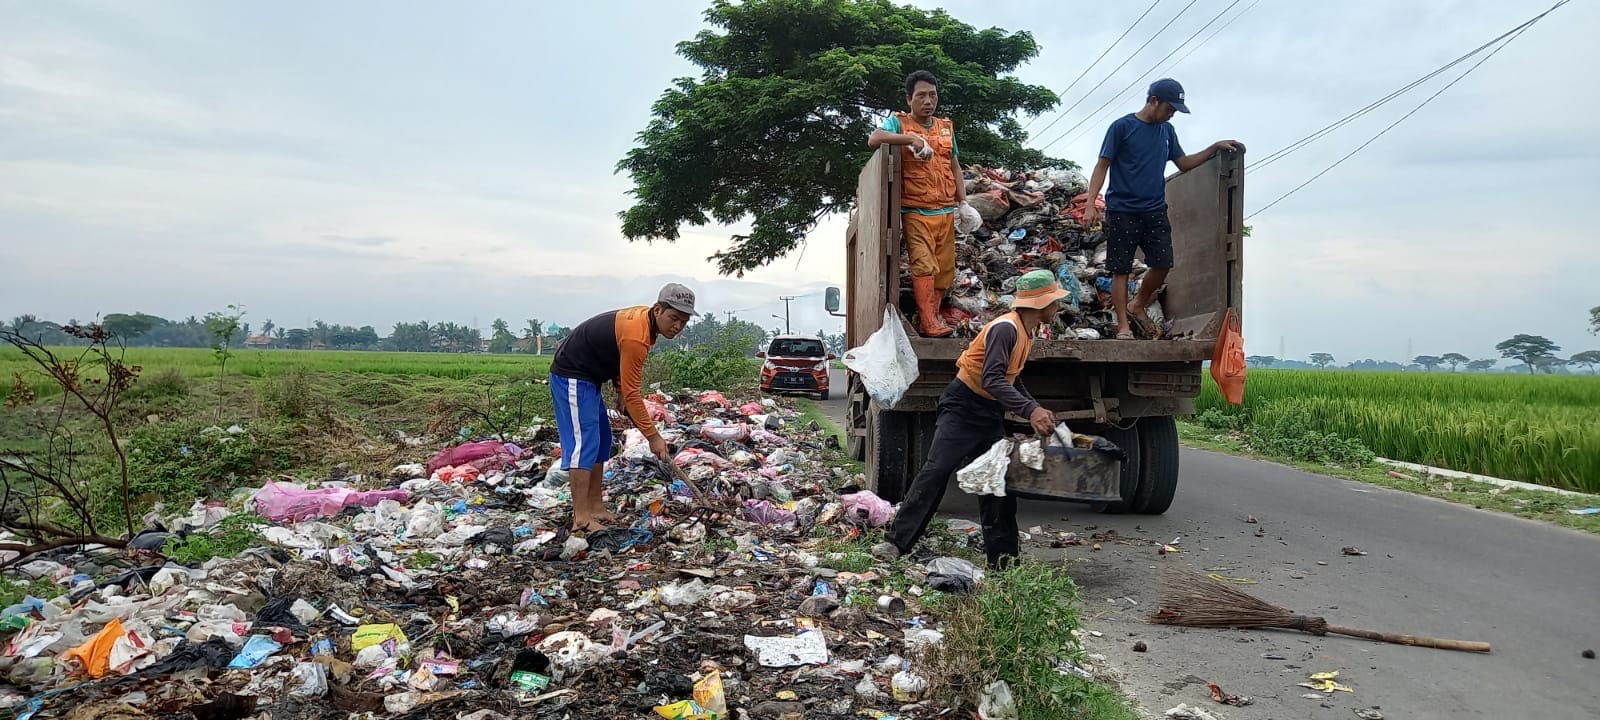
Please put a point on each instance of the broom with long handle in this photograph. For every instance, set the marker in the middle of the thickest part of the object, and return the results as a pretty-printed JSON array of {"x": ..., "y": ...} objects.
[{"x": 1194, "y": 600}]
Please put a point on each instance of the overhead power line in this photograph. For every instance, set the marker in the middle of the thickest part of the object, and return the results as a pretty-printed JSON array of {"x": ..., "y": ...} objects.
[
  {"x": 1118, "y": 95},
  {"x": 1166, "y": 71},
  {"x": 1097, "y": 60},
  {"x": 1113, "y": 72},
  {"x": 1514, "y": 35},
  {"x": 1341, "y": 122}
]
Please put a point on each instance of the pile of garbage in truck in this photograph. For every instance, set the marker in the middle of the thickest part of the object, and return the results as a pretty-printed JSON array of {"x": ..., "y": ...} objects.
[{"x": 1033, "y": 220}]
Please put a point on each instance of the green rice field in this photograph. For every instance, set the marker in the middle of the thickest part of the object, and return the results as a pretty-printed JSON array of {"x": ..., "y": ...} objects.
[
  {"x": 201, "y": 363},
  {"x": 1541, "y": 429}
]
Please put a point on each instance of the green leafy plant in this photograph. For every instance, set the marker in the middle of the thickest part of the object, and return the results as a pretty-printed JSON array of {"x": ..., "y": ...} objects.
[
  {"x": 223, "y": 325},
  {"x": 233, "y": 535}
]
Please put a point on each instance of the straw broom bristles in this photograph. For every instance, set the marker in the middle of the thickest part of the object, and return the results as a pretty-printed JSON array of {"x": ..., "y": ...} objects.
[{"x": 1194, "y": 600}]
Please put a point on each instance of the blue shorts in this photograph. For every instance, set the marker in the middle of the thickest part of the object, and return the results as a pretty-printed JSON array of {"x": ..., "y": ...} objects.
[{"x": 583, "y": 422}]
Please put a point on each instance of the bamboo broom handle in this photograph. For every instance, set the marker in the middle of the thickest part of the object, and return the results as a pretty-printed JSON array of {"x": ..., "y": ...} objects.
[{"x": 1417, "y": 640}]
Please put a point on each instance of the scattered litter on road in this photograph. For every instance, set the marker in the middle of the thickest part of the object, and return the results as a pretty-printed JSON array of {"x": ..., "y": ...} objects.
[
  {"x": 1588, "y": 654},
  {"x": 1236, "y": 580},
  {"x": 1250, "y": 519},
  {"x": 1368, "y": 713},
  {"x": 1326, "y": 682},
  {"x": 1315, "y": 696},
  {"x": 1400, "y": 475},
  {"x": 1186, "y": 712},
  {"x": 1353, "y": 551},
  {"x": 1228, "y": 698},
  {"x": 1586, "y": 511},
  {"x": 1273, "y": 656},
  {"x": 1140, "y": 646}
]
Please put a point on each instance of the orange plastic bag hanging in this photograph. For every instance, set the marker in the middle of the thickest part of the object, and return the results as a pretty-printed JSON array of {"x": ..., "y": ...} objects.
[{"x": 1227, "y": 360}]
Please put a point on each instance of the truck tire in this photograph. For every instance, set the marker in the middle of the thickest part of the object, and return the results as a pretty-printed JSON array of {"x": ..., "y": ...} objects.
[
  {"x": 890, "y": 441},
  {"x": 1128, "y": 440},
  {"x": 1158, "y": 465},
  {"x": 823, "y": 396},
  {"x": 855, "y": 424}
]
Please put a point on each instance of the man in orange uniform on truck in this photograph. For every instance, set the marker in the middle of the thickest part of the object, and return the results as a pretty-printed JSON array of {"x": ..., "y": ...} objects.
[
  {"x": 610, "y": 347},
  {"x": 972, "y": 419},
  {"x": 932, "y": 189}
]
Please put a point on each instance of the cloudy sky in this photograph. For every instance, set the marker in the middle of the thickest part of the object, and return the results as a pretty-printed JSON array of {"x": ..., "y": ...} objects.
[{"x": 368, "y": 162}]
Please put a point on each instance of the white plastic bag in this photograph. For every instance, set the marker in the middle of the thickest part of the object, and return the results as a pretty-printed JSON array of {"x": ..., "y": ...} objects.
[
  {"x": 968, "y": 219},
  {"x": 996, "y": 702},
  {"x": 886, "y": 363},
  {"x": 987, "y": 474},
  {"x": 427, "y": 521}
]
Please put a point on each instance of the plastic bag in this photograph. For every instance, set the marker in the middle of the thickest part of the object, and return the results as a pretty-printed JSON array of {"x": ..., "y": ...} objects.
[
  {"x": 907, "y": 686},
  {"x": 987, "y": 474},
  {"x": 725, "y": 433},
  {"x": 680, "y": 594},
  {"x": 427, "y": 521},
  {"x": 866, "y": 509},
  {"x": 968, "y": 219},
  {"x": 311, "y": 681},
  {"x": 95, "y": 654},
  {"x": 369, "y": 635},
  {"x": 996, "y": 702},
  {"x": 279, "y": 502},
  {"x": 886, "y": 363},
  {"x": 765, "y": 513},
  {"x": 990, "y": 204},
  {"x": 708, "y": 694},
  {"x": 1227, "y": 360},
  {"x": 953, "y": 575},
  {"x": 256, "y": 651}
]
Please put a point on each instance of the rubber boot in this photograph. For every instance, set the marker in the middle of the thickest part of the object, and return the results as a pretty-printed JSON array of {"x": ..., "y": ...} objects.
[{"x": 929, "y": 323}]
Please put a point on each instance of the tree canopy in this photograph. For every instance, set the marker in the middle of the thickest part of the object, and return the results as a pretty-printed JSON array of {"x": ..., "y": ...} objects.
[
  {"x": 1321, "y": 359},
  {"x": 775, "y": 128},
  {"x": 1530, "y": 349}
]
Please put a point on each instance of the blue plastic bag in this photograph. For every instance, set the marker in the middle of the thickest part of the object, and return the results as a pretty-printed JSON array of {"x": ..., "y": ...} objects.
[{"x": 256, "y": 651}]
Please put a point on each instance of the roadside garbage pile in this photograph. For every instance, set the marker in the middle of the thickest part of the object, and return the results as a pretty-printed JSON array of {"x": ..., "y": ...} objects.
[
  {"x": 452, "y": 589},
  {"x": 1026, "y": 221}
]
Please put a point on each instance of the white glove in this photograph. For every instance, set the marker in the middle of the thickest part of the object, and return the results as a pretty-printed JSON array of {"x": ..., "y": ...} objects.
[{"x": 926, "y": 153}]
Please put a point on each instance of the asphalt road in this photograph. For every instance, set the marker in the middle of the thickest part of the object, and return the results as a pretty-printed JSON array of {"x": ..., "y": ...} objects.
[{"x": 1433, "y": 568}]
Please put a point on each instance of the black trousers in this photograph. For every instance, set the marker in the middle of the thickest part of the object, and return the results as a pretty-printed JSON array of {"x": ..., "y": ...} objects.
[{"x": 968, "y": 425}]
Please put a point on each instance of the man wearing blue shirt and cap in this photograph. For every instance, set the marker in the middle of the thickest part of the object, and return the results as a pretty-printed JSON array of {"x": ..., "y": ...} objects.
[{"x": 1135, "y": 154}]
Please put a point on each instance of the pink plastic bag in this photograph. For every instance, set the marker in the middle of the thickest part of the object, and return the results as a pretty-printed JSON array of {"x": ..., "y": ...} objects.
[
  {"x": 487, "y": 455},
  {"x": 659, "y": 413},
  {"x": 284, "y": 502},
  {"x": 696, "y": 456},
  {"x": 461, "y": 474},
  {"x": 752, "y": 408},
  {"x": 712, "y": 397},
  {"x": 866, "y": 508},
  {"x": 725, "y": 433},
  {"x": 765, "y": 513}
]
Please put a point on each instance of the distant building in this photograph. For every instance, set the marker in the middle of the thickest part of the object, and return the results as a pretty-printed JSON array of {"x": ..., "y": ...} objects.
[{"x": 258, "y": 341}]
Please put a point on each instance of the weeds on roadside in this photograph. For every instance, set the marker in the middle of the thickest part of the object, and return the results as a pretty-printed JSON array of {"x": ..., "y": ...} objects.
[
  {"x": 1018, "y": 628},
  {"x": 1289, "y": 434}
]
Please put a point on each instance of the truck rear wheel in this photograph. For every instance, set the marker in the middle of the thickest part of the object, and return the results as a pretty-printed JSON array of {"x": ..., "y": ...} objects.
[
  {"x": 1158, "y": 465},
  {"x": 855, "y": 422},
  {"x": 1128, "y": 440},
  {"x": 889, "y": 448}
]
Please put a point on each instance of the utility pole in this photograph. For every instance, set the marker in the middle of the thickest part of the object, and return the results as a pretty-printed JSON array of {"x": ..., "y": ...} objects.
[{"x": 786, "y": 299}]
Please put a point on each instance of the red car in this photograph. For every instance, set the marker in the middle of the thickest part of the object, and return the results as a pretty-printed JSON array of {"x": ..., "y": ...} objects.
[{"x": 795, "y": 364}]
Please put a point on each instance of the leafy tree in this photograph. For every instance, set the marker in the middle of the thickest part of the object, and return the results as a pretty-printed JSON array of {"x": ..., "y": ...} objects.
[
  {"x": 266, "y": 327},
  {"x": 297, "y": 338},
  {"x": 834, "y": 341},
  {"x": 776, "y": 126},
  {"x": 501, "y": 341},
  {"x": 1428, "y": 362},
  {"x": 1594, "y": 320},
  {"x": 1549, "y": 364},
  {"x": 534, "y": 334},
  {"x": 128, "y": 327},
  {"x": 1455, "y": 359},
  {"x": 1321, "y": 360},
  {"x": 1261, "y": 360},
  {"x": 1375, "y": 365},
  {"x": 1527, "y": 348},
  {"x": 223, "y": 325},
  {"x": 1481, "y": 365},
  {"x": 1589, "y": 358}
]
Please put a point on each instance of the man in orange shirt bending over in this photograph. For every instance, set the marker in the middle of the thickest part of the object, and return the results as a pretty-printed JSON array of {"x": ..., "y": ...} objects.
[{"x": 610, "y": 347}]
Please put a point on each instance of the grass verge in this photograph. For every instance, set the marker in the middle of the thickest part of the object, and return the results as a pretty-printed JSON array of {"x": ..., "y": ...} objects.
[
  {"x": 1531, "y": 504},
  {"x": 810, "y": 412},
  {"x": 1018, "y": 628}
]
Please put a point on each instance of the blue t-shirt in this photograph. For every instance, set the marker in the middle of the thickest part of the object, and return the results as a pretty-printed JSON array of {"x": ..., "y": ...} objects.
[{"x": 1139, "y": 152}]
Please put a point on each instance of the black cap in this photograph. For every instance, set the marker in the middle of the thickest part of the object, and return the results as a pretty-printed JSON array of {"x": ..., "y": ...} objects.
[{"x": 1169, "y": 91}]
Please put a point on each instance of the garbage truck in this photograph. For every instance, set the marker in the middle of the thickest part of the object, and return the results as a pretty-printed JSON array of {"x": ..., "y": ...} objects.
[{"x": 1127, "y": 391}]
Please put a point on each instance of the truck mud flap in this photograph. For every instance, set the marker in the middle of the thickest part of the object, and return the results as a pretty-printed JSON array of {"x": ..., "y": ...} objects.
[{"x": 1069, "y": 474}]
